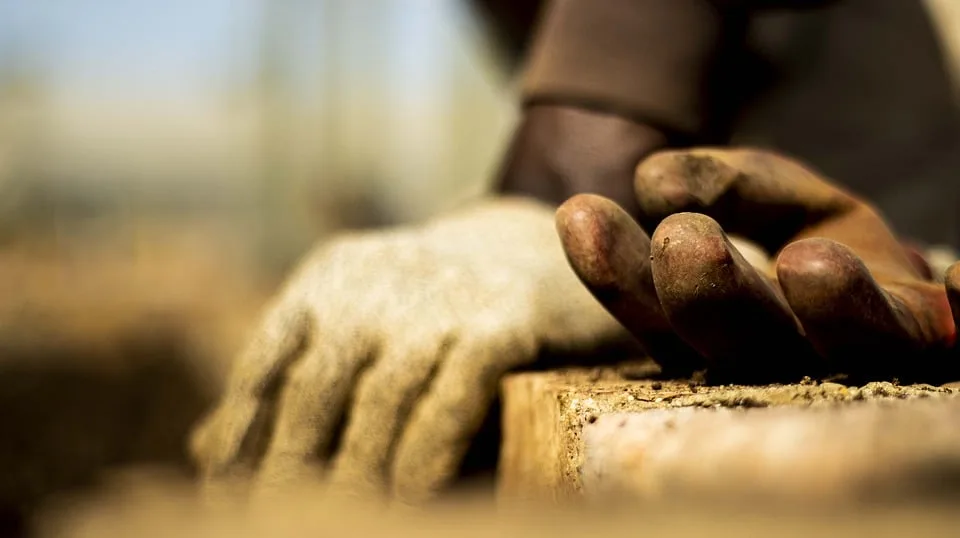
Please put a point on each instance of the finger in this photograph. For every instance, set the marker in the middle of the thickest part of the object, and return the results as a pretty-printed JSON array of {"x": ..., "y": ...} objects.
[
  {"x": 770, "y": 199},
  {"x": 852, "y": 317},
  {"x": 758, "y": 194},
  {"x": 610, "y": 254},
  {"x": 226, "y": 436},
  {"x": 774, "y": 199},
  {"x": 384, "y": 399},
  {"x": 449, "y": 415},
  {"x": 720, "y": 304},
  {"x": 311, "y": 406}
]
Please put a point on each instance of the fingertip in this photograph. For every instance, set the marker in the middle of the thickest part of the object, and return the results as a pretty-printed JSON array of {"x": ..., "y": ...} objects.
[
  {"x": 829, "y": 287},
  {"x": 580, "y": 220},
  {"x": 596, "y": 235},
  {"x": 813, "y": 272},
  {"x": 719, "y": 303},
  {"x": 450, "y": 416},
  {"x": 659, "y": 183},
  {"x": 673, "y": 181},
  {"x": 426, "y": 482},
  {"x": 197, "y": 443},
  {"x": 693, "y": 260},
  {"x": 610, "y": 254},
  {"x": 686, "y": 248},
  {"x": 215, "y": 444},
  {"x": 849, "y": 316},
  {"x": 694, "y": 222}
]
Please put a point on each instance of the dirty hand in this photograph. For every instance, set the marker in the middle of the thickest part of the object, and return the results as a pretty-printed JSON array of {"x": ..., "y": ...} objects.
[
  {"x": 841, "y": 295},
  {"x": 405, "y": 333}
]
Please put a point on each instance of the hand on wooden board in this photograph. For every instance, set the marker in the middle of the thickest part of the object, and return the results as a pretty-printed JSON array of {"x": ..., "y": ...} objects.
[{"x": 841, "y": 294}]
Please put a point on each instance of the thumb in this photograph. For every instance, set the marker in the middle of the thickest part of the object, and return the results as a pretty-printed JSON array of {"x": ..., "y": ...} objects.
[{"x": 758, "y": 194}]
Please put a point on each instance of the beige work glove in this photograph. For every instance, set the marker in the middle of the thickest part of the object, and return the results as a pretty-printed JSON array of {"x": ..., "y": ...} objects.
[{"x": 406, "y": 333}]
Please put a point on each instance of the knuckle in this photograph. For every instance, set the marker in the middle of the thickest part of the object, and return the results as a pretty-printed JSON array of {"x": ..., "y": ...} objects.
[
  {"x": 509, "y": 321},
  {"x": 326, "y": 256}
]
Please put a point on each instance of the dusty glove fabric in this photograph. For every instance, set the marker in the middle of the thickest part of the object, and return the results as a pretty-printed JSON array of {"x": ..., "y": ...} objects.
[
  {"x": 406, "y": 332},
  {"x": 940, "y": 258}
]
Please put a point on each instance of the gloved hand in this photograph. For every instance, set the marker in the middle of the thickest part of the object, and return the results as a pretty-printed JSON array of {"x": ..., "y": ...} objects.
[
  {"x": 842, "y": 296},
  {"x": 406, "y": 333}
]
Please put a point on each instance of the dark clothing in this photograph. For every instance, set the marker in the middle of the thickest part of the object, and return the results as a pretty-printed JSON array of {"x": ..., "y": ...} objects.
[{"x": 857, "y": 88}]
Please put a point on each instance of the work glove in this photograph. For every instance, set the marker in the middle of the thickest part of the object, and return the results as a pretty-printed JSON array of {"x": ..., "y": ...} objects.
[
  {"x": 404, "y": 335},
  {"x": 840, "y": 295}
]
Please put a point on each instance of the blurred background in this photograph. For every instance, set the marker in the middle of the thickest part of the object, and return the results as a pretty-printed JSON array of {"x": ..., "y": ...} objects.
[
  {"x": 162, "y": 166},
  {"x": 270, "y": 120}
]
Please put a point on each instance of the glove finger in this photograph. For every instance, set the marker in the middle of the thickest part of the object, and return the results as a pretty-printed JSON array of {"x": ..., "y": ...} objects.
[
  {"x": 721, "y": 305},
  {"x": 771, "y": 200},
  {"x": 311, "y": 407},
  {"x": 385, "y": 396},
  {"x": 760, "y": 195},
  {"x": 230, "y": 434},
  {"x": 610, "y": 254},
  {"x": 864, "y": 321},
  {"x": 775, "y": 200},
  {"x": 450, "y": 414}
]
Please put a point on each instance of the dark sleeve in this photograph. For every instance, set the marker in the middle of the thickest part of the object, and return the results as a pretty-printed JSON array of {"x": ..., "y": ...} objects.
[{"x": 646, "y": 59}]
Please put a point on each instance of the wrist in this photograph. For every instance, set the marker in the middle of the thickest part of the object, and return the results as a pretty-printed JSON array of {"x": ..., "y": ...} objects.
[{"x": 560, "y": 150}]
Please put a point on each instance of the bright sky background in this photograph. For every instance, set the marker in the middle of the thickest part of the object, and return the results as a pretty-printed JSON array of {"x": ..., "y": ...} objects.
[
  {"x": 171, "y": 47},
  {"x": 176, "y": 48},
  {"x": 141, "y": 91}
]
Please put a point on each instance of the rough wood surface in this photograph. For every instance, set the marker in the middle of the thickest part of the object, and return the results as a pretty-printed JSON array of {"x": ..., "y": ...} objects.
[{"x": 547, "y": 416}]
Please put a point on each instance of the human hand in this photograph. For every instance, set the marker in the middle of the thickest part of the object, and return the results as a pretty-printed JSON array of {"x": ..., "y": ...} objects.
[
  {"x": 406, "y": 333},
  {"x": 841, "y": 295}
]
